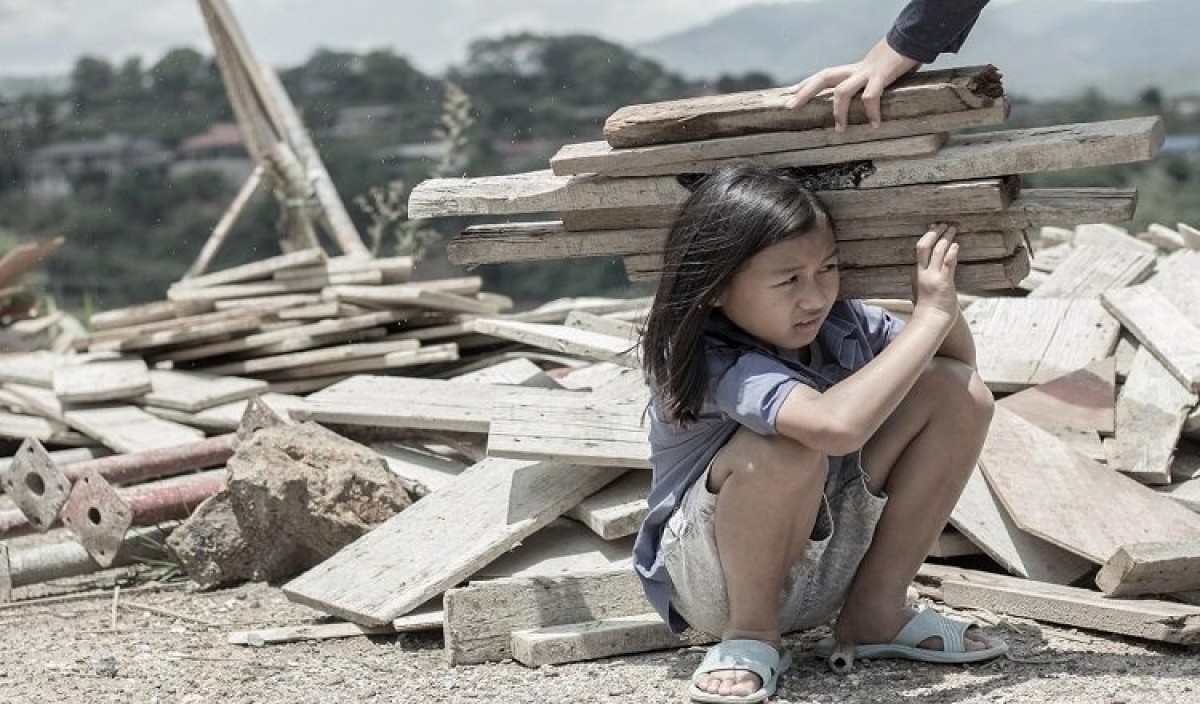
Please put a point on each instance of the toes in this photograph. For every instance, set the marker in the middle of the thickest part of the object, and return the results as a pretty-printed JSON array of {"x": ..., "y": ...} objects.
[{"x": 730, "y": 683}]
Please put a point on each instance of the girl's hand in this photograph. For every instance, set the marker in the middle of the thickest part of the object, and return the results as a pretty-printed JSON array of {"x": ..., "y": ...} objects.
[{"x": 933, "y": 278}]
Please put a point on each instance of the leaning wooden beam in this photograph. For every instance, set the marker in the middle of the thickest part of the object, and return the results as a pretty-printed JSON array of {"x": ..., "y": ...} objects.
[
  {"x": 918, "y": 95},
  {"x": 599, "y": 157},
  {"x": 481, "y": 617},
  {"x": 1051, "y": 491},
  {"x": 1151, "y": 568},
  {"x": 434, "y": 544},
  {"x": 1163, "y": 621},
  {"x": 592, "y": 640},
  {"x": 885, "y": 281},
  {"x": 1158, "y": 325},
  {"x": 488, "y": 244},
  {"x": 1150, "y": 413},
  {"x": 225, "y": 224}
]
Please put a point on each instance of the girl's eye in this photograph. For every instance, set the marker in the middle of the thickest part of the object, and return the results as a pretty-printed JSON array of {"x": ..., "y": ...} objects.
[
  {"x": 789, "y": 280},
  {"x": 832, "y": 266}
]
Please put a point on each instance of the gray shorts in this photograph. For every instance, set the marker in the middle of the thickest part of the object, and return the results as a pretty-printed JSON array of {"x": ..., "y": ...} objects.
[{"x": 817, "y": 584}]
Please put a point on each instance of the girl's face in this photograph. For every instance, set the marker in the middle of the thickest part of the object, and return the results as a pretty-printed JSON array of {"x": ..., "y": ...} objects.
[{"x": 783, "y": 293}]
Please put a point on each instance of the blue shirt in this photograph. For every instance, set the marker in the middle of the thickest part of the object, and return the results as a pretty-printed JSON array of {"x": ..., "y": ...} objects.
[{"x": 748, "y": 382}]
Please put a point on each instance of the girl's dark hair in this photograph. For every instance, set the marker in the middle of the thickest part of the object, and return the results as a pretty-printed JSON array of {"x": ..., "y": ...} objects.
[{"x": 732, "y": 214}]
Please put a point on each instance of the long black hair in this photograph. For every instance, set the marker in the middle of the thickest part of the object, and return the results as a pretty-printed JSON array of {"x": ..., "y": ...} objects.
[{"x": 732, "y": 214}]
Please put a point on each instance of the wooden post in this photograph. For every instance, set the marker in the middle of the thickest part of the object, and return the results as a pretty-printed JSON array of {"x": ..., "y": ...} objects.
[{"x": 225, "y": 224}]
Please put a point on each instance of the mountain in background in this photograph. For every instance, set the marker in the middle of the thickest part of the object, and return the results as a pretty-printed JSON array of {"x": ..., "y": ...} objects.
[{"x": 1044, "y": 48}]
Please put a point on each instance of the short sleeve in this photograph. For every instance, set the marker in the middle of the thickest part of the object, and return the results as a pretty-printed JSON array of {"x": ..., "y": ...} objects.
[
  {"x": 753, "y": 389},
  {"x": 879, "y": 326}
]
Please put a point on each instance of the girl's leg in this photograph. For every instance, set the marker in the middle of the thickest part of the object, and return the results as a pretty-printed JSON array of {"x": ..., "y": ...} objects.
[
  {"x": 768, "y": 490},
  {"x": 922, "y": 457}
]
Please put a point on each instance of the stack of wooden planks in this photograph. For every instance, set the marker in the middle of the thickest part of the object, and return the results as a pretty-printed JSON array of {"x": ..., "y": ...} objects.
[{"x": 883, "y": 186}]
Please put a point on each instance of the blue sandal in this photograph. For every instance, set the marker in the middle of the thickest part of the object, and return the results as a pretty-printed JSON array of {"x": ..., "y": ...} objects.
[{"x": 762, "y": 659}]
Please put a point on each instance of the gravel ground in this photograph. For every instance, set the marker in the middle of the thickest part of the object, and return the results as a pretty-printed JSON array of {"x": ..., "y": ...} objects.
[{"x": 67, "y": 651}]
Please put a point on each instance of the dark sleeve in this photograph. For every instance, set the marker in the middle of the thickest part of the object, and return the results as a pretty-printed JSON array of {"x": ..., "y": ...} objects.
[{"x": 926, "y": 28}]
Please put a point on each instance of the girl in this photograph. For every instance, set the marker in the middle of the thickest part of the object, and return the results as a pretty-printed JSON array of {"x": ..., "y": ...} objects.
[{"x": 806, "y": 450}]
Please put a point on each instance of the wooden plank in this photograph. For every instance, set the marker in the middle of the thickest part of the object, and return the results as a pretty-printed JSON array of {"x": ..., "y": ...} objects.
[
  {"x": 599, "y": 157},
  {"x": 1052, "y": 492},
  {"x": 1151, "y": 568},
  {"x": 102, "y": 381},
  {"x": 261, "y": 269},
  {"x": 885, "y": 281},
  {"x": 1112, "y": 237},
  {"x": 295, "y": 336},
  {"x": 19, "y": 427},
  {"x": 1162, "y": 621},
  {"x": 481, "y": 616},
  {"x": 882, "y": 149},
  {"x": 194, "y": 391},
  {"x": 307, "y": 358},
  {"x": 32, "y": 368},
  {"x": 575, "y": 428},
  {"x": 562, "y": 547},
  {"x": 426, "y": 354},
  {"x": 617, "y": 510},
  {"x": 560, "y": 338},
  {"x": 25, "y": 256},
  {"x": 921, "y": 94},
  {"x": 145, "y": 313},
  {"x": 434, "y": 544},
  {"x": 979, "y": 516},
  {"x": 1084, "y": 399},
  {"x": 284, "y": 302},
  {"x": 514, "y": 372},
  {"x": 227, "y": 416},
  {"x": 542, "y": 191},
  {"x": 591, "y": 640},
  {"x": 487, "y": 244},
  {"x": 1150, "y": 414},
  {"x": 181, "y": 335},
  {"x": 1175, "y": 278},
  {"x": 267, "y": 288},
  {"x": 1025, "y": 342},
  {"x": 1159, "y": 326},
  {"x": 582, "y": 320},
  {"x": 1032, "y": 208},
  {"x": 262, "y": 311},
  {"x": 1034, "y": 150},
  {"x": 130, "y": 429},
  {"x": 951, "y": 544},
  {"x": 401, "y": 402},
  {"x": 1092, "y": 269},
  {"x": 414, "y": 296},
  {"x": 397, "y": 269}
]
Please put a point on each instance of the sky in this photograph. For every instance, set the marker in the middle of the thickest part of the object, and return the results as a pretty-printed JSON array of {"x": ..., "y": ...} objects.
[{"x": 41, "y": 37}]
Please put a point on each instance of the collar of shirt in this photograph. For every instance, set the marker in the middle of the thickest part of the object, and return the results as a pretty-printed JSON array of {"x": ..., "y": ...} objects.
[{"x": 837, "y": 336}]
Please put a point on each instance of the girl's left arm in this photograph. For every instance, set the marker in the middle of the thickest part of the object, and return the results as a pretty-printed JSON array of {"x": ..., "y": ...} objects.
[{"x": 959, "y": 344}]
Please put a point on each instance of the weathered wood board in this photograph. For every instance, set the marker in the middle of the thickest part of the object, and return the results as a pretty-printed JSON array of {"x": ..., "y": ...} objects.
[
  {"x": 617, "y": 510},
  {"x": 1090, "y": 270},
  {"x": 130, "y": 429},
  {"x": 1025, "y": 342},
  {"x": 435, "y": 543},
  {"x": 691, "y": 119},
  {"x": 1052, "y": 492},
  {"x": 979, "y": 516},
  {"x": 1151, "y": 568},
  {"x": 1163, "y": 621},
  {"x": 195, "y": 391},
  {"x": 1150, "y": 414},
  {"x": 599, "y": 157},
  {"x": 261, "y": 269},
  {"x": 560, "y": 338},
  {"x": 112, "y": 380},
  {"x": 591, "y": 640},
  {"x": 1084, "y": 399},
  {"x": 1161, "y": 328},
  {"x": 569, "y": 428},
  {"x": 481, "y": 616}
]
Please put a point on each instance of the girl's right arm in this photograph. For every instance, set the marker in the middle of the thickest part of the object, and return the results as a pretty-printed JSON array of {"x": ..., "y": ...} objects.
[{"x": 842, "y": 419}]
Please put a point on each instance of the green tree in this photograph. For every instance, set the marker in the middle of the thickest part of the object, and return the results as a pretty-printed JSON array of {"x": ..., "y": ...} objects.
[{"x": 92, "y": 83}]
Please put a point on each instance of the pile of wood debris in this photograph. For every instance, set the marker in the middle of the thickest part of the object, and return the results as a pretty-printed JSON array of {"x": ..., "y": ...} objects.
[{"x": 530, "y": 457}]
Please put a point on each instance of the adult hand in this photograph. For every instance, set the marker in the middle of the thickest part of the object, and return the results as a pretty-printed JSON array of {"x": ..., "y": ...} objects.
[{"x": 877, "y": 70}]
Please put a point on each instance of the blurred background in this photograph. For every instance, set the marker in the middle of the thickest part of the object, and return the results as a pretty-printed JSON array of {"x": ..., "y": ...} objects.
[{"x": 115, "y": 131}]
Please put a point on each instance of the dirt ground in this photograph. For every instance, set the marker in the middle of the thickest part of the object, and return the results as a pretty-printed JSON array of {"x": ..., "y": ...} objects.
[{"x": 169, "y": 645}]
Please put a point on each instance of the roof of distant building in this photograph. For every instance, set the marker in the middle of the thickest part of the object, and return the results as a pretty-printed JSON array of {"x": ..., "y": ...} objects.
[{"x": 219, "y": 135}]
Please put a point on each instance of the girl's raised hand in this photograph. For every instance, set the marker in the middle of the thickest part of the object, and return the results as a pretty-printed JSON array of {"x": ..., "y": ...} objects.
[{"x": 933, "y": 278}]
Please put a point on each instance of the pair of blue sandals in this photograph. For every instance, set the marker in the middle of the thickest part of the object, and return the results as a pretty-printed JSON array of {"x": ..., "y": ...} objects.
[{"x": 765, "y": 660}]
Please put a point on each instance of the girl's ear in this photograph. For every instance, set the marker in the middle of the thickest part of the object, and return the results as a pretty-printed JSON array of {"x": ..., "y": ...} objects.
[{"x": 718, "y": 301}]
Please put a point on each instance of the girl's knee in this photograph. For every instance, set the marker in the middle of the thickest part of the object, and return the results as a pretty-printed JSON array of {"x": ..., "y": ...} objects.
[
  {"x": 781, "y": 460},
  {"x": 955, "y": 388}
]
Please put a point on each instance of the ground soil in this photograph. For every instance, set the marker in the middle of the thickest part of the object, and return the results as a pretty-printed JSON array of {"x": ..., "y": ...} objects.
[{"x": 69, "y": 651}]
